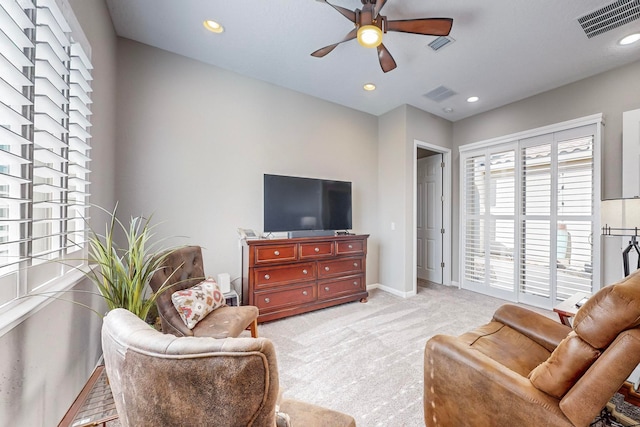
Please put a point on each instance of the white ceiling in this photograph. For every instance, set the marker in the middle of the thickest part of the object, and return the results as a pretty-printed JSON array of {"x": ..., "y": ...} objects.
[{"x": 504, "y": 50}]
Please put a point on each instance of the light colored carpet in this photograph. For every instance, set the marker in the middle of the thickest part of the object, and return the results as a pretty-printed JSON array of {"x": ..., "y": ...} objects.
[{"x": 367, "y": 359}]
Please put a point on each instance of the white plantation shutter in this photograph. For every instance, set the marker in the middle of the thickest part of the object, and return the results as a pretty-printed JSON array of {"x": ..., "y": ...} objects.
[
  {"x": 474, "y": 214},
  {"x": 79, "y": 147},
  {"x": 537, "y": 203},
  {"x": 502, "y": 219},
  {"x": 44, "y": 96},
  {"x": 489, "y": 218},
  {"x": 16, "y": 118}
]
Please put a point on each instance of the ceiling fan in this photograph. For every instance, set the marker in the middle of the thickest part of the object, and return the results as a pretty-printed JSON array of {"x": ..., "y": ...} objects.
[{"x": 370, "y": 25}]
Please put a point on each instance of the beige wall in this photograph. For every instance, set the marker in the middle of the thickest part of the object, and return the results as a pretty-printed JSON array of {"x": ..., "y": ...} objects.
[
  {"x": 397, "y": 132},
  {"x": 609, "y": 93},
  {"x": 48, "y": 357},
  {"x": 194, "y": 141}
]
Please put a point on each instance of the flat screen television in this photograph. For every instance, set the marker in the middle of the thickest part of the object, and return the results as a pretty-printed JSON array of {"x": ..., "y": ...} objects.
[{"x": 306, "y": 206}]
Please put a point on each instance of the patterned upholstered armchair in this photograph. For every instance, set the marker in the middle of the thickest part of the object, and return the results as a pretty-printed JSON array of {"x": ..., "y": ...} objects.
[
  {"x": 163, "y": 380},
  {"x": 184, "y": 269}
]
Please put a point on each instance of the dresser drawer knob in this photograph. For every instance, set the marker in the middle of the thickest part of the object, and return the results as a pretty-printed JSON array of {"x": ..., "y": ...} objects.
[
  {"x": 350, "y": 246},
  {"x": 326, "y": 269},
  {"x": 267, "y": 277},
  {"x": 267, "y": 300},
  {"x": 355, "y": 264},
  {"x": 276, "y": 253},
  {"x": 326, "y": 288},
  {"x": 305, "y": 293},
  {"x": 355, "y": 283},
  {"x": 305, "y": 271},
  {"x": 317, "y": 249}
]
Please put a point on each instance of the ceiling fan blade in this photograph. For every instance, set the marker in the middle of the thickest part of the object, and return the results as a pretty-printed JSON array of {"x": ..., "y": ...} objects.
[
  {"x": 387, "y": 63},
  {"x": 379, "y": 5},
  {"x": 349, "y": 14},
  {"x": 426, "y": 26},
  {"x": 327, "y": 49}
]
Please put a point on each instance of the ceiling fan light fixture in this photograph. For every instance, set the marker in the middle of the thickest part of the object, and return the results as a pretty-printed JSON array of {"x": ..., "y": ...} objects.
[
  {"x": 369, "y": 36},
  {"x": 213, "y": 26}
]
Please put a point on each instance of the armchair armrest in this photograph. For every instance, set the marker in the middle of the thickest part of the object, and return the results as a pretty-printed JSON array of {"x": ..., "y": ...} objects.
[
  {"x": 541, "y": 329},
  {"x": 449, "y": 364}
]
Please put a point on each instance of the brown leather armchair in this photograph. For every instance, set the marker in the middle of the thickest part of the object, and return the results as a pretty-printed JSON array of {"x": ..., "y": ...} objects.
[
  {"x": 163, "y": 380},
  {"x": 183, "y": 269},
  {"x": 525, "y": 369}
]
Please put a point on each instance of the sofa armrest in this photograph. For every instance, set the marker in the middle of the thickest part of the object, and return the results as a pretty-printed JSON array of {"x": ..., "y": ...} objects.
[
  {"x": 541, "y": 329},
  {"x": 462, "y": 386}
]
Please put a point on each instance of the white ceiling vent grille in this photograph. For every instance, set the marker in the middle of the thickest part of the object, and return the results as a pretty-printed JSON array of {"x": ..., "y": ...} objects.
[
  {"x": 440, "y": 42},
  {"x": 609, "y": 17},
  {"x": 440, "y": 93}
]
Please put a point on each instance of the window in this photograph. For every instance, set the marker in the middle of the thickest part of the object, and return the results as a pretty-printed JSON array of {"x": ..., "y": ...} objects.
[
  {"x": 530, "y": 215},
  {"x": 44, "y": 143}
]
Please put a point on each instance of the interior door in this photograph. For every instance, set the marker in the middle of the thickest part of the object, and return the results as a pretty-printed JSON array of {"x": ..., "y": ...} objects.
[{"x": 429, "y": 221}]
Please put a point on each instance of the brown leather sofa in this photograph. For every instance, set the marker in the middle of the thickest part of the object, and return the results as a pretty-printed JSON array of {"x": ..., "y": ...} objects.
[
  {"x": 163, "y": 380},
  {"x": 183, "y": 269},
  {"x": 525, "y": 369}
]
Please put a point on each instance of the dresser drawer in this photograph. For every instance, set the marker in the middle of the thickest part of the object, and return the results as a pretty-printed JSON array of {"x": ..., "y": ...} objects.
[
  {"x": 316, "y": 250},
  {"x": 282, "y": 275},
  {"x": 350, "y": 247},
  {"x": 267, "y": 300},
  {"x": 340, "y": 267},
  {"x": 276, "y": 253},
  {"x": 333, "y": 288}
]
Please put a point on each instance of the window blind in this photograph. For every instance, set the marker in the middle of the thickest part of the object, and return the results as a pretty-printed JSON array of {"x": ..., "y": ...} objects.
[
  {"x": 535, "y": 198},
  {"x": 44, "y": 144}
]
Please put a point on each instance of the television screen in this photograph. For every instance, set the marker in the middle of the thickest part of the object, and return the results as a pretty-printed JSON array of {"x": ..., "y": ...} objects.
[{"x": 293, "y": 204}]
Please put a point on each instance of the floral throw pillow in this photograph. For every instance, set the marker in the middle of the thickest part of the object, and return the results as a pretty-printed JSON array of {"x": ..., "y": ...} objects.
[{"x": 195, "y": 303}]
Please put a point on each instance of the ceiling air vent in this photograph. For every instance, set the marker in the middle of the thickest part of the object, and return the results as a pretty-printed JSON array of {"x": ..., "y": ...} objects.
[
  {"x": 609, "y": 17},
  {"x": 440, "y": 94},
  {"x": 441, "y": 42}
]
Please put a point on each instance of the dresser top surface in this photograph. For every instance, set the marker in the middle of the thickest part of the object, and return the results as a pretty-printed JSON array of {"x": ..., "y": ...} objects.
[{"x": 285, "y": 240}]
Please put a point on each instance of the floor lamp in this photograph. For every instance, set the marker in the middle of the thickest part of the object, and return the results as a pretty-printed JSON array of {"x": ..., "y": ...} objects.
[{"x": 621, "y": 217}]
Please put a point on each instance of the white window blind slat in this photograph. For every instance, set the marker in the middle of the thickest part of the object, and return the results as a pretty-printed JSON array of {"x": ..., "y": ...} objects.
[
  {"x": 47, "y": 140},
  {"x": 12, "y": 30},
  {"x": 16, "y": 11},
  {"x": 50, "y": 15},
  {"x": 37, "y": 220}
]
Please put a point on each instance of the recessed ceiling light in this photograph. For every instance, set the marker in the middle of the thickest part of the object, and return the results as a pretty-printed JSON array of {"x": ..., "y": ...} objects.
[
  {"x": 632, "y": 38},
  {"x": 473, "y": 99},
  {"x": 369, "y": 86},
  {"x": 213, "y": 26},
  {"x": 447, "y": 110}
]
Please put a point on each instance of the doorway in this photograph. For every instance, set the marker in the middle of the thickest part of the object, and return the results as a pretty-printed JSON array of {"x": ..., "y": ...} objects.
[{"x": 432, "y": 207}]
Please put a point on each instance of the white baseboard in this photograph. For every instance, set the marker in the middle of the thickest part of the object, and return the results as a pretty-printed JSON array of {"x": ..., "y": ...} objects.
[{"x": 392, "y": 291}]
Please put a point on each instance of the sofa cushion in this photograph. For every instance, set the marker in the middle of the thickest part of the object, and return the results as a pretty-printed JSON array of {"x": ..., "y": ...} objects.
[
  {"x": 564, "y": 367},
  {"x": 193, "y": 304}
]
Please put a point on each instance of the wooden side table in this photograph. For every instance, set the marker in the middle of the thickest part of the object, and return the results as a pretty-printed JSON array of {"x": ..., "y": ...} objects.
[{"x": 568, "y": 309}]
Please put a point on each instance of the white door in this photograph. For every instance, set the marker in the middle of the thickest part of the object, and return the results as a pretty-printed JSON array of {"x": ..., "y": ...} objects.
[{"x": 429, "y": 218}]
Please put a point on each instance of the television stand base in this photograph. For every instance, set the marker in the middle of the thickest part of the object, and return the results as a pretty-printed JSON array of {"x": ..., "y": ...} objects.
[{"x": 310, "y": 233}]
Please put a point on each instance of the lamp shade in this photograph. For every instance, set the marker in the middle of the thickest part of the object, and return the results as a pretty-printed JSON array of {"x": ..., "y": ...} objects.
[{"x": 620, "y": 217}]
